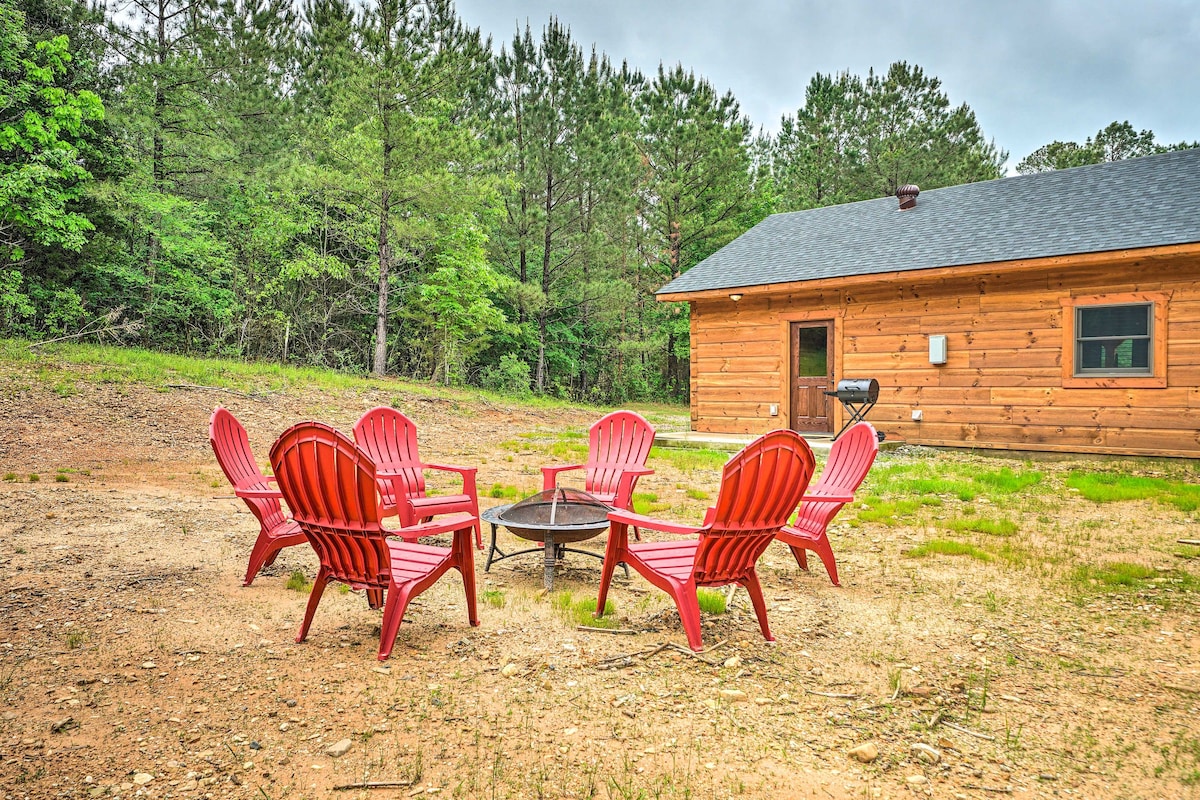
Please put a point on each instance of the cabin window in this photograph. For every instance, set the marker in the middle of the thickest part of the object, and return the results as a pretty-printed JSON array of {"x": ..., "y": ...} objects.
[{"x": 1115, "y": 341}]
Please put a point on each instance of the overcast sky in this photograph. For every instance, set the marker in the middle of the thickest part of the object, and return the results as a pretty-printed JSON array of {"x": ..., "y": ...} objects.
[{"x": 1032, "y": 70}]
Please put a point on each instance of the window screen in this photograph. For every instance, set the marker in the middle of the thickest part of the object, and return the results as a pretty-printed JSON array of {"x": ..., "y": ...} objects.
[{"x": 1114, "y": 340}]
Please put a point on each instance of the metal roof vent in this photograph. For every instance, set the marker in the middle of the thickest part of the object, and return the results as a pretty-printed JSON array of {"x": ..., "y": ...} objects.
[{"x": 908, "y": 196}]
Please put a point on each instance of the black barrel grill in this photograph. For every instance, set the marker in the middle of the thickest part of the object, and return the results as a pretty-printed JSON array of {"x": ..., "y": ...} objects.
[{"x": 857, "y": 396}]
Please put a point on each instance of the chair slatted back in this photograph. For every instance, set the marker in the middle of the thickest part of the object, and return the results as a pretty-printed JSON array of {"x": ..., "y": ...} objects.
[
  {"x": 616, "y": 441},
  {"x": 329, "y": 485},
  {"x": 849, "y": 461},
  {"x": 759, "y": 488},
  {"x": 390, "y": 439},
  {"x": 231, "y": 446}
]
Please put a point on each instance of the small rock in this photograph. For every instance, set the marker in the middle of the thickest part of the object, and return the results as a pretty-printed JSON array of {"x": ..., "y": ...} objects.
[
  {"x": 283, "y": 727},
  {"x": 382, "y": 670},
  {"x": 188, "y": 785},
  {"x": 255, "y": 746},
  {"x": 924, "y": 690},
  {"x": 339, "y": 748},
  {"x": 917, "y": 780},
  {"x": 142, "y": 778},
  {"x": 764, "y": 701},
  {"x": 926, "y": 753},
  {"x": 734, "y": 695},
  {"x": 66, "y": 723},
  {"x": 290, "y": 703},
  {"x": 509, "y": 669},
  {"x": 149, "y": 665},
  {"x": 733, "y": 661},
  {"x": 866, "y": 753}
]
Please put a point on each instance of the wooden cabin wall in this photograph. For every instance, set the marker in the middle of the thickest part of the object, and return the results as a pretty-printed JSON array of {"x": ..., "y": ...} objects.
[{"x": 1002, "y": 385}]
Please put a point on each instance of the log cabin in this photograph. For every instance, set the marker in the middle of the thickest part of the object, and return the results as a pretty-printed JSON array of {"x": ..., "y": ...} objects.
[{"x": 1057, "y": 311}]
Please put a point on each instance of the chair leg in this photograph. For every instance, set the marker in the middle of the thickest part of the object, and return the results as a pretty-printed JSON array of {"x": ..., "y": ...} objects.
[
  {"x": 466, "y": 565},
  {"x": 260, "y": 556},
  {"x": 823, "y": 549},
  {"x": 611, "y": 557},
  {"x": 801, "y": 557},
  {"x": 393, "y": 615},
  {"x": 374, "y": 597},
  {"x": 689, "y": 614},
  {"x": 754, "y": 589},
  {"x": 314, "y": 597}
]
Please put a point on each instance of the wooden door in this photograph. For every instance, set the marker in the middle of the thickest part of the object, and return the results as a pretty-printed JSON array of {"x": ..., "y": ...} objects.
[{"x": 811, "y": 373}]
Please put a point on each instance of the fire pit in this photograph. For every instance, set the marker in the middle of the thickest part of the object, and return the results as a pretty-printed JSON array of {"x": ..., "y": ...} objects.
[{"x": 554, "y": 517}]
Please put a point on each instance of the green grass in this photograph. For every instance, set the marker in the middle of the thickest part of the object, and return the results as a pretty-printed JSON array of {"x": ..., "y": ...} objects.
[
  {"x": 580, "y": 612},
  {"x": 696, "y": 494},
  {"x": 688, "y": 459},
  {"x": 890, "y": 512},
  {"x": 505, "y": 492},
  {"x": 647, "y": 503},
  {"x": 1005, "y": 481},
  {"x": 945, "y": 547},
  {"x": 34, "y": 477},
  {"x": 711, "y": 601},
  {"x": 297, "y": 582},
  {"x": 10, "y": 477},
  {"x": 1119, "y": 574},
  {"x": 493, "y": 597},
  {"x": 1111, "y": 487},
  {"x": 992, "y": 527},
  {"x": 61, "y": 478}
]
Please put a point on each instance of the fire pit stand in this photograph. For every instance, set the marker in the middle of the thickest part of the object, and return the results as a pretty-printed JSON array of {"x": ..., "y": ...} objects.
[{"x": 554, "y": 518}]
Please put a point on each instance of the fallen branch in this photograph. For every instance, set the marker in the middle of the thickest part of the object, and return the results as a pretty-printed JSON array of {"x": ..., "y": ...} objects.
[
  {"x": 1185, "y": 689},
  {"x": 1189, "y": 541},
  {"x": 373, "y": 785},
  {"x": 832, "y": 694},
  {"x": 968, "y": 731},
  {"x": 994, "y": 789},
  {"x": 613, "y": 631}
]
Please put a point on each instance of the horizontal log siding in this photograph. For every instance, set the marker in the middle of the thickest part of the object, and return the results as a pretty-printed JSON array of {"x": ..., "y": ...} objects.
[{"x": 1002, "y": 385}]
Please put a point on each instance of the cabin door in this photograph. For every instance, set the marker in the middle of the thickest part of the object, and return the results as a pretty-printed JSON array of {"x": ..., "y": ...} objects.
[{"x": 811, "y": 376}]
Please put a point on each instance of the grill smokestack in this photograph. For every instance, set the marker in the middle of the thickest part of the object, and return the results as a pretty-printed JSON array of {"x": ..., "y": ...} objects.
[{"x": 908, "y": 196}]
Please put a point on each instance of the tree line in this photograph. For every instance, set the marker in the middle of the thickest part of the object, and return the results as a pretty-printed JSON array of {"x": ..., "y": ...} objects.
[{"x": 376, "y": 187}]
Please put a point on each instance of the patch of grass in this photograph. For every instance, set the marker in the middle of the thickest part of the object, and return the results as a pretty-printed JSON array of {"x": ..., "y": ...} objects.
[
  {"x": 1119, "y": 573},
  {"x": 10, "y": 477},
  {"x": 945, "y": 547},
  {"x": 992, "y": 527},
  {"x": 711, "y": 601},
  {"x": 34, "y": 477},
  {"x": 1111, "y": 487},
  {"x": 876, "y": 509},
  {"x": 580, "y": 612},
  {"x": 66, "y": 389},
  {"x": 297, "y": 582},
  {"x": 689, "y": 459},
  {"x": 62, "y": 477},
  {"x": 494, "y": 598},
  {"x": 1005, "y": 481},
  {"x": 75, "y": 640},
  {"x": 696, "y": 494},
  {"x": 505, "y": 492},
  {"x": 647, "y": 503}
]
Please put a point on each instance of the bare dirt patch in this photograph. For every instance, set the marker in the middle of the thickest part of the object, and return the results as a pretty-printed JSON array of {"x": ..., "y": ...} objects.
[{"x": 133, "y": 663}]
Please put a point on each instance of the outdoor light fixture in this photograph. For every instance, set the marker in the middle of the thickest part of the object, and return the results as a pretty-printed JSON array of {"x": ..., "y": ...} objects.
[{"x": 735, "y": 296}]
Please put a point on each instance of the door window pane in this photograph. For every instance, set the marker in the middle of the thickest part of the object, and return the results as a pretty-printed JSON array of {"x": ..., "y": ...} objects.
[{"x": 813, "y": 355}]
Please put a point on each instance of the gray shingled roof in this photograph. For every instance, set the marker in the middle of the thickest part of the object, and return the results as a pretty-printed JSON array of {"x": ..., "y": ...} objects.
[{"x": 1140, "y": 202}]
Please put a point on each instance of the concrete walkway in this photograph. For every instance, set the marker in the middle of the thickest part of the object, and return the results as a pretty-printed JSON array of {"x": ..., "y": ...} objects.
[{"x": 820, "y": 443}]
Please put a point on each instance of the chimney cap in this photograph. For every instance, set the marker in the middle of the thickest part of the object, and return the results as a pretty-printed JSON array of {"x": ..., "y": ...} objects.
[{"x": 908, "y": 195}]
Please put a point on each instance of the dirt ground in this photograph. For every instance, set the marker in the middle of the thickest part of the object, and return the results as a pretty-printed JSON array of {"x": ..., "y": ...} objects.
[{"x": 134, "y": 664}]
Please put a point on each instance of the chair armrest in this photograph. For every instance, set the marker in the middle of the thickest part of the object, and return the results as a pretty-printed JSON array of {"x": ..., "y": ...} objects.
[
  {"x": 550, "y": 474},
  {"x": 642, "y": 521},
  {"x": 827, "y": 498},
  {"x": 446, "y": 524},
  {"x": 263, "y": 492},
  {"x": 451, "y": 468},
  {"x": 467, "y": 474}
]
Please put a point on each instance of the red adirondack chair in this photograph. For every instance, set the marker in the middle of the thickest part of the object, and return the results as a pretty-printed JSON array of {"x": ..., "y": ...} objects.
[
  {"x": 759, "y": 488},
  {"x": 390, "y": 438},
  {"x": 330, "y": 484},
  {"x": 231, "y": 446},
  {"x": 617, "y": 448},
  {"x": 849, "y": 461}
]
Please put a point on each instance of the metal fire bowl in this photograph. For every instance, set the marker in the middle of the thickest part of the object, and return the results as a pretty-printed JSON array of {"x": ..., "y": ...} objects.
[{"x": 573, "y": 522}]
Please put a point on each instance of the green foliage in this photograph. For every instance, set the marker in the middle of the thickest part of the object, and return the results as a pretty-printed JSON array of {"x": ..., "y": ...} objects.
[
  {"x": 582, "y": 612},
  {"x": 43, "y": 125},
  {"x": 947, "y": 547},
  {"x": 297, "y": 581},
  {"x": 510, "y": 376},
  {"x": 1115, "y": 142},
  {"x": 992, "y": 527},
  {"x": 504, "y": 492},
  {"x": 711, "y": 601}
]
